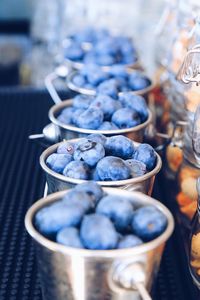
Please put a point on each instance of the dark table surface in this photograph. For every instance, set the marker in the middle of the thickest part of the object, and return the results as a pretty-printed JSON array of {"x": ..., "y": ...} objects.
[{"x": 24, "y": 112}]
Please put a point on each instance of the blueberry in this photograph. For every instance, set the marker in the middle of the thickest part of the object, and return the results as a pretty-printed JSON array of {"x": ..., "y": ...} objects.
[
  {"x": 85, "y": 35},
  {"x": 118, "y": 71},
  {"x": 106, "y": 47},
  {"x": 89, "y": 58},
  {"x": 138, "y": 81},
  {"x": 126, "y": 118},
  {"x": 137, "y": 103},
  {"x": 65, "y": 148},
  {"x": 77, "y": 170},
  {"x": 49, "y": 220},
  {"x": 94, "y": 74},
  {"x": 94, "y": 175},
  {"x": 81, "y": 198},
  {"x": 106, "y": 104},
  {"x": 129, "y": 241},
  {"x": 91, "y": 118},
  {"x": 92, "y": 188},
  {"x": 122, "y": 84},
  {"x": 69, "y": 236},
  {"x": 97, "y": 137},
  {"x": 97, "y": 232},
  {"x": 109, "y": 87},
  {"x": 137, "y": 167},
  {"x": 66, "y": 115},
  {"x": 112, "y": 168},
  {"x": 146, "y": 154},
  {"x": 57, "y": 162},
  {"x": 129, "y": 58},
  {"x": 108, "y": 126},
  {"x": 101, "y": 34},
  {"x": 79, "y": 80},
  {"x": 126, "y": 46},
  {"x": 119, "y": 146},
  {"x": 105, "y": 60},
  {"x": 88, "y": 151},
  {"x": 82, "y": 101},
  {"x": 148, "y": 222},
  {"x": 76, "y": 113},
  {"x": 118, "y": 210},
  {"x": 74, "y": 52}
]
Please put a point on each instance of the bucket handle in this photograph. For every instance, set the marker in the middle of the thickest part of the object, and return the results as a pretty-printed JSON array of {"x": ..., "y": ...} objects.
[
  {"x": 60, "y": 72},
  {"x": 142, "y": 291},
  {"x": 131, "y": 275}
]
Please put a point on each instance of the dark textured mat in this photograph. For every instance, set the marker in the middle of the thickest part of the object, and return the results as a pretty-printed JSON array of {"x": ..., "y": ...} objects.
[{"x": 22, "y": 182}]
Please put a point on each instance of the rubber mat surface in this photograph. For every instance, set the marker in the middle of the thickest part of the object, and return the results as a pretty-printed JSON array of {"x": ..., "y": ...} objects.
[{"x": 22, "y": 182}]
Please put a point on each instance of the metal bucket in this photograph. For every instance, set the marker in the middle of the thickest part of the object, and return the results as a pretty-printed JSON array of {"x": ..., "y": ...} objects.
[
  {"x": 71, "y": 132},
  {"x": 80, "y": 274},
  {"x": 58, "y": 182},
  {"x": 92, "y": 92},
  {"x": 68, "y": 69}
]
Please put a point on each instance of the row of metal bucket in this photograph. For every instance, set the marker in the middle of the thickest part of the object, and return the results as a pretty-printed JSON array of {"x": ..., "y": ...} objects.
[{"x": 80, "y": 274}]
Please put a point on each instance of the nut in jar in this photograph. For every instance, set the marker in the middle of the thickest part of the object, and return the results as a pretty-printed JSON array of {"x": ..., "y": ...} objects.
[
  {"x": 187, "y": 196},
  {"x": 195, "y": 253}
]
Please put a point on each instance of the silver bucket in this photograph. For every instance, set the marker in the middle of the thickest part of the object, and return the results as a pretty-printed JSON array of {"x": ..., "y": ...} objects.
[
  {"x": 80, "y": 274},
  {"x": 67, "y": 70},
  {"x": 58, "y": 182},
  {"x": 92, "y": 92},
  {"x": 71, "y": 132}
]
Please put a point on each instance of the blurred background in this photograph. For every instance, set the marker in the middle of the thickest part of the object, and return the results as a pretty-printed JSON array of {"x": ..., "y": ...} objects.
[{"x": 31, "y": 32}]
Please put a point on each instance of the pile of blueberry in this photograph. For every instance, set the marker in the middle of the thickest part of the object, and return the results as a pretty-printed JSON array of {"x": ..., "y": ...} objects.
[
  {"x": 102, "y": 159},
  {"x": 104, "y": 112},
  {"x": 105, "y": 49},
  {"x": 111, "y": 82},
  {"x": 89, "y": 36},
  {"x": 88, "y": 218}
]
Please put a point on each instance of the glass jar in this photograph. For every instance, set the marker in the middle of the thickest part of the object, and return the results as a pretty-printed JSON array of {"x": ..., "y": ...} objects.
[
  {"x": 194, "y": 246},
  {"x": 190, "y": 168},
  {"x": 185, "y": 34},
  {"x": 183, "y": 99},
  {"x": 164, "y": 36},
  {"x": 166, "y": 32},
  {"x": 188, "y": 35},
  {"x": 180, "y": 31},
  {"x": 187, "y": 195}
]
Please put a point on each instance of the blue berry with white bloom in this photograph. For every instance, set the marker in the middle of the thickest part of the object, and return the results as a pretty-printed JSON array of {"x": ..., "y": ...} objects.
[
  {"x": 118, "y": 210},
  {"x": 69, "y": 236},
  {"x": 98, "y": 233},
  {"x": 106, "y": 104},
  {"x": 77, "y": 170},
  {"x": 148, "y": 222},
  {"x": 146, "y": 154},
  {"x": 57, "y": 162},
  {"x": 91, "y": 118},
  {"x": 88, "y": 151},
  {"x": 112, "y": 168},
  {"x": 126, "y": 118},
  {"x": 92, "y": 189},
  {"x": 129, "y": 241},
  {"x": 119, "y": 146}
]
